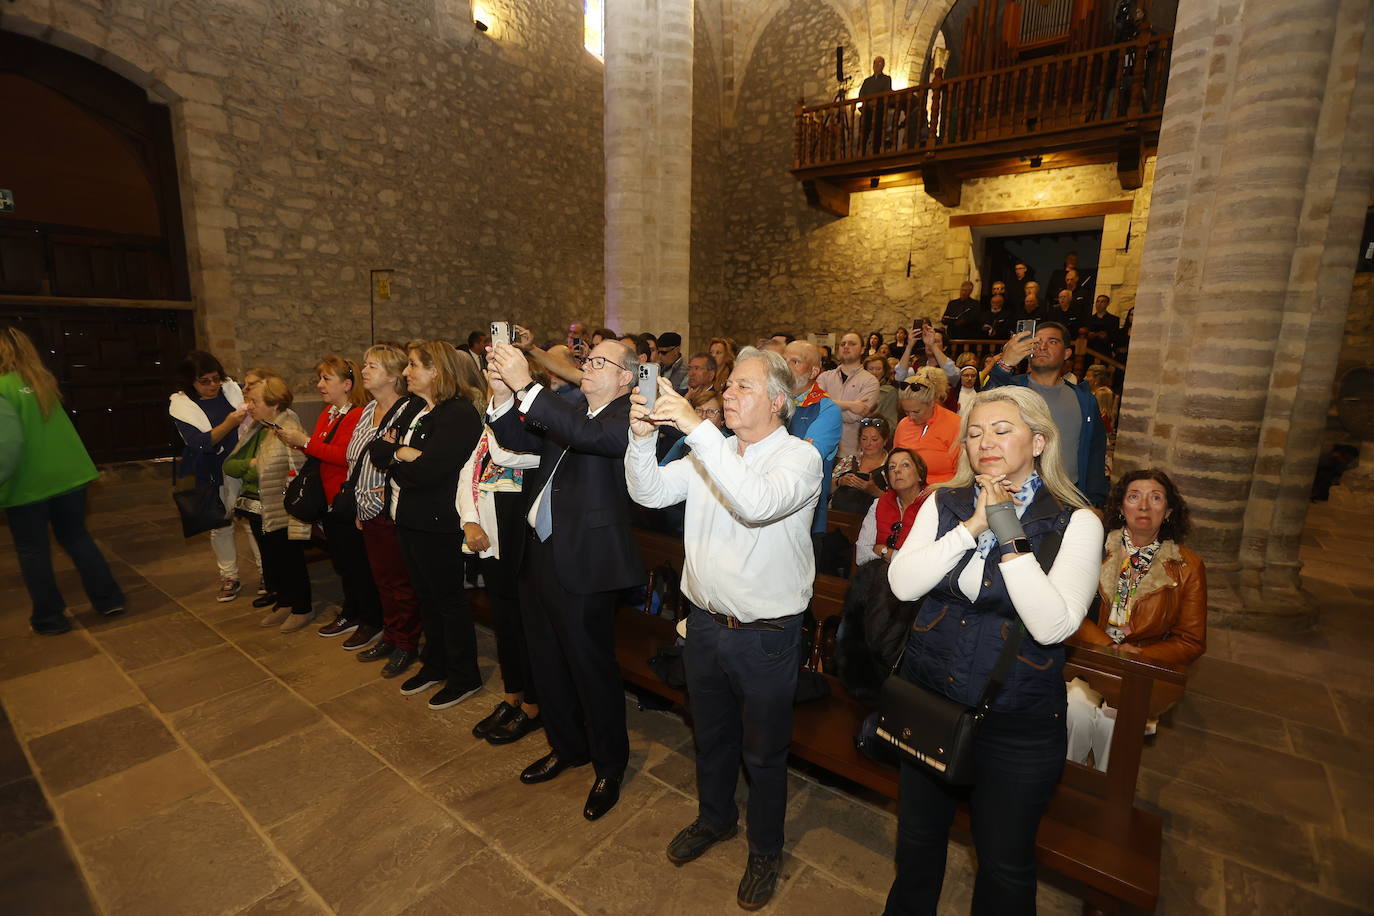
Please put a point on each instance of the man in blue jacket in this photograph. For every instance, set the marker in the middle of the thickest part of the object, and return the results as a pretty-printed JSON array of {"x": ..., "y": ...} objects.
[
  {"x": 817, "y": 418},
  {"x": 1075, "y": 410}
]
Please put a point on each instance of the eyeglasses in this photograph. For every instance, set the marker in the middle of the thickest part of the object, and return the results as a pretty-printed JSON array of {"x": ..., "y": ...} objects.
[
  {"x": 913, "y": 386},
  {"x": 599, "y": 362},
  {"x": 707, "y": 413},
  {"x": 209, "y": 380},
  {"x": 892, "y": 538},
  {"x": 876, "y": 422}
]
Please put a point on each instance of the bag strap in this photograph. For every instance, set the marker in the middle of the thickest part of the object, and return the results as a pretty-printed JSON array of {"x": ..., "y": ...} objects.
[{"x": 1045, "y": 553}]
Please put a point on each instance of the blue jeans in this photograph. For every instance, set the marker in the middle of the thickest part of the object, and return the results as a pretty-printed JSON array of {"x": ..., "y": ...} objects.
[
  {"x": 740, "y": 684},
  {"x": 67, "y": 515},
  {"x": 1019, "y": 758}
]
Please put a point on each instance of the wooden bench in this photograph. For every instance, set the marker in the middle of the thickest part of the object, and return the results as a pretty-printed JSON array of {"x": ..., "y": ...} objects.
[{"x": 1092, "y": 833}]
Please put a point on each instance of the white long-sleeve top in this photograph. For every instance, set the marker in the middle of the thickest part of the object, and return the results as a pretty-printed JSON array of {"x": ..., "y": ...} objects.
[
  {"x": 1051, "y": 606},
  {"x": 482, "y": 511},
  {"x": 747, "y": 528}
]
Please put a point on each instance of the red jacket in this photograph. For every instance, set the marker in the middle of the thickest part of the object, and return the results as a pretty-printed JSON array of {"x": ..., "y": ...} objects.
[{"x": 334, "y": 454}]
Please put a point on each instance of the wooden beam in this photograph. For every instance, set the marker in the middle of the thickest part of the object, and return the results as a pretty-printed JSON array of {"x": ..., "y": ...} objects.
[
  {"x": 825, "y": 196},
  {"x": 943, "y": 183},
  {"x": 1074, "y": 211},
  {"x": 1130, "y": 156}
]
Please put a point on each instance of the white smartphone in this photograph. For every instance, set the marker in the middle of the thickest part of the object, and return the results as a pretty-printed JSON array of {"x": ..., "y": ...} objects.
[
  {"x": 648, "y": 382},
  {"x": 1025, "y": 326},
  {"x": 501, "y": 333}
]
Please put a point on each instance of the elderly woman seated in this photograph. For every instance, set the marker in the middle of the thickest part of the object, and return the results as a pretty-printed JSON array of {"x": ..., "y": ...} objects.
[{"x": 1153, "y": 594}]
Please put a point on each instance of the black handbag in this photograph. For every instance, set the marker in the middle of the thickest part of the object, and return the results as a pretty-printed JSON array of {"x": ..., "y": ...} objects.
[
  {"x": 199, "y": 506},
  {"x": 928, "y": 728},
  {"x": 305, "y": 500}
]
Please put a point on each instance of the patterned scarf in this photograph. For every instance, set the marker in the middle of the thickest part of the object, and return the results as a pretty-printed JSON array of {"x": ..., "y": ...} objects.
[
  {"x": 1022, "y": 498},
  {"x": 1135, "y": 563}
]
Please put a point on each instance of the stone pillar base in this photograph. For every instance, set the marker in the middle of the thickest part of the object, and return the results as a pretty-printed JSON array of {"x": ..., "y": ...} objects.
[
  {"x": 1232, "y": 605},
  {"x": 1356, "y": 489}
]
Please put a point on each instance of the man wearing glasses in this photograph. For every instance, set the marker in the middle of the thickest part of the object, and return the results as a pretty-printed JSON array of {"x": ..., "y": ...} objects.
[
  {"x": 579, "y": 556},
  {"x": 748, "y": 577}
]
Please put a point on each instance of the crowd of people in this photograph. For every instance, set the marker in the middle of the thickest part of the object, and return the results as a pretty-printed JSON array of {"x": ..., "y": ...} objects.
[{"x": 982, "y": 488}]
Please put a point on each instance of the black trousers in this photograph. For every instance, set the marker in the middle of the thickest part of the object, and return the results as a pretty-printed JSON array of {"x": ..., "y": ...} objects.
[
  {"x": 512, "y": 653},
  {"x": 1018, "y": 759},
  {"x": 572, "y": 650},
  {"x": 741, "y": 684},
  {"x": 283, "y": 566},
  {"x": 435, "y": 563},
  {"x": 348, "y": 554}
]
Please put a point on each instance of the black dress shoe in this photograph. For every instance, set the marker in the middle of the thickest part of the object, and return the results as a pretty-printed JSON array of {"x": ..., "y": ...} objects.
[
  {"x": 502, "y": 714},
  {"x": 376, "y": 652},
  {"x": 605, "y": 793},
  {"x": 266, "y": 600},
  {"x": 514, "y": 728},
  {"x": 399, "y": 661},
  {"x": 548, "y": 767}
]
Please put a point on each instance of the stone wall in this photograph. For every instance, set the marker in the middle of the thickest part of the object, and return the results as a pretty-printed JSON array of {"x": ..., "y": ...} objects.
[
  {"x": 789, "y": 266},
  {"x": 706, "y": 280},
  {"x": 319, "y": 140}
]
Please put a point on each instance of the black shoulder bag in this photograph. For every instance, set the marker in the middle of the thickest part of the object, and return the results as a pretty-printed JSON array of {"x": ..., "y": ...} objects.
[
  {"x": 304, "y": 500},
  {"x": 199, "y": 506},
  {"x": 930, "y": 729}
]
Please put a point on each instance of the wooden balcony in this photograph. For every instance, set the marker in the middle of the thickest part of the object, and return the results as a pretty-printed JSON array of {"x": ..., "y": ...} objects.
[{"x": 1098, "y": 105}]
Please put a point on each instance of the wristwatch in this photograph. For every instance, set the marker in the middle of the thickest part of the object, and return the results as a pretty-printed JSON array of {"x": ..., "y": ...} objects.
[
  {"x": 526, "y": 390},
  {"x": 1016, "y": 545}
]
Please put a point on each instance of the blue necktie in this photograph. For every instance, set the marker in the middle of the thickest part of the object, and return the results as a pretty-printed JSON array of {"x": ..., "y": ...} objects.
[{"x": 543, "y": 516}]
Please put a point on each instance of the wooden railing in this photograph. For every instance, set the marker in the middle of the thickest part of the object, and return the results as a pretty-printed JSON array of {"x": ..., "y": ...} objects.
[{"x": 1111, "y": 85}]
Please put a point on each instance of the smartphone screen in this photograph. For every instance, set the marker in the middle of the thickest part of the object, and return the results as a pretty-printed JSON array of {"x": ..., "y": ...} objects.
[
  {"x": 1025, "y": 326},
  {"x": 648, "y": 382}
]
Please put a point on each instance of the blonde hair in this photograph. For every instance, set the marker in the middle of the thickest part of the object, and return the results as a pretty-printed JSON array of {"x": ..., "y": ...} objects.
[
  {"x": 1035, "y": 413},
  {"x": 934, "y": 386},
  {"x": 472, "y": 383},
  {"x": 20, "y": 356},
  {"x": 274, "y": 392},
  {"x": 393, "y": 360},
  {"x": 440, "y": 356}
]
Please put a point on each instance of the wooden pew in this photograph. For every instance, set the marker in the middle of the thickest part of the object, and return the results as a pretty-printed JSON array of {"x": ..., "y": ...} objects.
[{"x": 1092, "y": 833}]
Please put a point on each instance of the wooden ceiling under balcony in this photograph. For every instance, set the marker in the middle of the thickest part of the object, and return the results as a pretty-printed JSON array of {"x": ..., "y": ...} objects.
[{"x": 1098, "y": 105}]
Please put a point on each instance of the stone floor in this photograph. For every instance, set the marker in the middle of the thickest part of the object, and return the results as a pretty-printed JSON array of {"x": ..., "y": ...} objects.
[{"x": 179, "y": 759}]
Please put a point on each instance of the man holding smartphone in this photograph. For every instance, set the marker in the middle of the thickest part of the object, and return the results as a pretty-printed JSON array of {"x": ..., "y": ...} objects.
[{"x": 1083, "y": 437}]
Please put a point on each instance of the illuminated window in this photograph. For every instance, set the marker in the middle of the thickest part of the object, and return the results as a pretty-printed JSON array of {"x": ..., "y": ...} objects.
[{"x": 594, "y": 27}]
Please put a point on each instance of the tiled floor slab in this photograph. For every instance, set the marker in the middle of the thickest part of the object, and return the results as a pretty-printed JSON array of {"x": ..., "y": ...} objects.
[
  {"x": 79, "y": 754},
  {"x": 151, "y": 641},
  {"x": 242, "y": 720},
  {"x": 40, "y": 877},
  {"x": 54, "y": 698},
  {"x": 487, "y": 883},
  {"x": 99, "y": 808},
  {"x": 174, "y": 685}
]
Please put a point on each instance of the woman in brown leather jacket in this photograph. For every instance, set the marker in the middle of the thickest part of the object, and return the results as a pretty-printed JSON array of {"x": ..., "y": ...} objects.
[{"x": 1153, "y": 594}]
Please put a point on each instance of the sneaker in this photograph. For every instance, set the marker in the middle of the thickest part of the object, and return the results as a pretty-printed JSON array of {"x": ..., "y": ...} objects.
[
  {"x": 338, "y": 627},
  {"x": 422, "y": 681},
  {"x": 228, "y": 590},
  {"x": 378, "y": 652},
  {"x": 298, "y": 621},
  {"x": 363, "y": 636},
  {"x": 451, "y": 696},
  {"x": 399, "y": 662},
  {"x": 693, "y": 840},
  {"x": 760, "y": 878},
  {"x": 275, "y": 617},
  {"x": 262, "y": 589}
]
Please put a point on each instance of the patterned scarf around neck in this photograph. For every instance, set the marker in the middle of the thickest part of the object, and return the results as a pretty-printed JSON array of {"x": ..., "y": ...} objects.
[
  {"x": 1135, "y": 563},
  {"x": 1022, "y": 498}
]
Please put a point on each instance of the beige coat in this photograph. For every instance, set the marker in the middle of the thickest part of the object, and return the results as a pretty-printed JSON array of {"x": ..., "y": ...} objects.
[{"x": 277, "y": 464}]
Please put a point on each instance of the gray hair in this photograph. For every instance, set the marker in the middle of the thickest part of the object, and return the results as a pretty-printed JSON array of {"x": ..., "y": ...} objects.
[{"x": 780, "y": 380}]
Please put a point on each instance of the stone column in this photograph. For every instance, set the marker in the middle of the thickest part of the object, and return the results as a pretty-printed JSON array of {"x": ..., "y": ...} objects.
[
  {"x": 648, "y": 141},
  {"x": 1259, "y": 197}
]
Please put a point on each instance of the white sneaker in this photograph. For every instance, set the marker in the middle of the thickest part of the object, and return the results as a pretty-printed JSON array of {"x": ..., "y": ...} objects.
[{"x": 228, "y": 590}]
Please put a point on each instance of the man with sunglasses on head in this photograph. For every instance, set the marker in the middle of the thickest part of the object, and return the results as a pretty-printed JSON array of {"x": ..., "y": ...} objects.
[{"x": 580, "y": 554}]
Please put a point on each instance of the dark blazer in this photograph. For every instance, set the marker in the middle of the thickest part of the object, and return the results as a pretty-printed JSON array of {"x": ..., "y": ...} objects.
[
  {"x": 445, "y": 437},
  {"x": 593, "y": 544}
]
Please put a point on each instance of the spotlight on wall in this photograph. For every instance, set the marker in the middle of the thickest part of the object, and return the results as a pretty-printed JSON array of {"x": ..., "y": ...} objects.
[
  {"x": 481, "y": 26},
  {"x": 1034, "y": 161},
  {"x": 482, "y": 19}
]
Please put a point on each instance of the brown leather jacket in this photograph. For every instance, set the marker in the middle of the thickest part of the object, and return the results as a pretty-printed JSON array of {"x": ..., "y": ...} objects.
[{"x": 1169, "y": 614}]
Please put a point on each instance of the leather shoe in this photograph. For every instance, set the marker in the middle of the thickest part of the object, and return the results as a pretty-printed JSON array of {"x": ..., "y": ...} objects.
[
  {"x": 605, "y": 793},
  {"x": 399, "y": 662},
  {"x": 498, "y": 716},
  {"x": 548, "y": 767},
  {"x": 514, "y": 728}
]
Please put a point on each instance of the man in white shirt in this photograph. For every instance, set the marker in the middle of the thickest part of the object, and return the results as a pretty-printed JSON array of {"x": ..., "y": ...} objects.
[
  {"x": 852, "y": 389},
  {"x": 748, "y": 577}
]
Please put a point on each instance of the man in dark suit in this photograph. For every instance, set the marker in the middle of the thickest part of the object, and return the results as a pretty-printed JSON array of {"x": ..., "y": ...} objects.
[
  {"x": 872, "y": 116},
  {"x": 580, "y": 555}
]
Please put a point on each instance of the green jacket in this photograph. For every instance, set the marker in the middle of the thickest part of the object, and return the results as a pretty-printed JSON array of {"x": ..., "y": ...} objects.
[{"x": 51, "y": 458}]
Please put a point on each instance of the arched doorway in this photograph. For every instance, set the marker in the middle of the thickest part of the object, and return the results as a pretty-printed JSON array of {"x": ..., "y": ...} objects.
[{"x": 92, "y": 255}]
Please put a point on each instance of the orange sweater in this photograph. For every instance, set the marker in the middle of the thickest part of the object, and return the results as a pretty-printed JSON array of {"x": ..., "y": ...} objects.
[{"x": 937, "y": 443}]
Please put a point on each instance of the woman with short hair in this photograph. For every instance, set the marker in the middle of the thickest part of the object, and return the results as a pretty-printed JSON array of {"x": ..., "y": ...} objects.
[
  {"x": 44, "y": 471},
  {"x": 265, "y": 465},
  {"x": 928, "y": 427},
  {"x": 423, "y": 457},
  {"x": 208, "y": 411}
]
